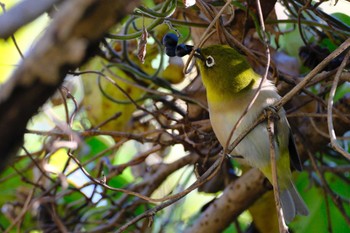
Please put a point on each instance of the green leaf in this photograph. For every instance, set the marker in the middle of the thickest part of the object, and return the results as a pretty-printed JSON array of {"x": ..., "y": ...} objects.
[
  {"x": 315, "y": 199},
  {"x": 342, "y": 90},
  {"x": 96, "y": 145}
]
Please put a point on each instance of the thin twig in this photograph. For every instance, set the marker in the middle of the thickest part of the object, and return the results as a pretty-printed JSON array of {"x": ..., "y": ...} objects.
[
  {"x": 150, "y": 213},
  {"x": 13, "y": 38},
  {"x": 264, "y": 78},
  {"x": 149, "y": 90},
  {"x": 339, "y": 169},
  {"x": 204, "y": 178},
  {"x": 312, "y": 74},
  {"x": 331, "y": 130},
  {"x": 283, "y": 228},
  {"x": 327, "y": 189},
  {"x": 206, "y": 33},
  {"x": 271, "y": 126},
  {"x": 244, "y": 133},
  {"x": 24, "y": 209}
]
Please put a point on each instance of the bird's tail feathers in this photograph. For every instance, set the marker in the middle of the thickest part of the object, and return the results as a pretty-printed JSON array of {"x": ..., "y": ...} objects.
[{"x": 292, "y": 203}]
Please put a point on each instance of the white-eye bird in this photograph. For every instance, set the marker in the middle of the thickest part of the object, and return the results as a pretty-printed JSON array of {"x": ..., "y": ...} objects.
[{"x": 230, "y": 83}]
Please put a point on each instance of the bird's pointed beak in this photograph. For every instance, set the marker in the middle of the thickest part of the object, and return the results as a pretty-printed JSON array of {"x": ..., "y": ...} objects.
[{"x": 198, "y": 54}]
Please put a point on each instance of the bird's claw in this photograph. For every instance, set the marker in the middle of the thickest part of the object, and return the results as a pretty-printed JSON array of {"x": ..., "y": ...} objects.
[{"x": 271, "y": 112}]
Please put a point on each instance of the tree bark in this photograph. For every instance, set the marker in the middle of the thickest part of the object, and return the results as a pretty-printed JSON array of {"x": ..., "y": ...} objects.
[
  {"x": 71, "y": 39},
  {"x": 236, "y": 198}
]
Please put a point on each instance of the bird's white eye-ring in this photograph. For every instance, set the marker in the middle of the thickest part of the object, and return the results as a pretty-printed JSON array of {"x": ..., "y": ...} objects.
[{"x": 210, "y": 61}]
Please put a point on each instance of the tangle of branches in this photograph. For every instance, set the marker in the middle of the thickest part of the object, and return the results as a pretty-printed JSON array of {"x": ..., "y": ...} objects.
[{"x": 128, "y": 151}]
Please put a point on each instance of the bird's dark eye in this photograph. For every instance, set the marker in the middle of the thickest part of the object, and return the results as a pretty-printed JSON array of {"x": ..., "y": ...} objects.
[{"x": 209, "y": 62}]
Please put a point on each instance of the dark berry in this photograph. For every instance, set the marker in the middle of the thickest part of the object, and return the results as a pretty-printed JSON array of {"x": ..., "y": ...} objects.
[
  {"x": 183, "y": 49},
  {"x": 170, "y": 40}
]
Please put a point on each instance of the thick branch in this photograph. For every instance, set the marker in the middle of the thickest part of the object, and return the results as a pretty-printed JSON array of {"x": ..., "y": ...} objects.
[
  {"x": 28, "y": 10},
  {"x": 236, "y": 198},
  {"x": 68, "y": 42}
]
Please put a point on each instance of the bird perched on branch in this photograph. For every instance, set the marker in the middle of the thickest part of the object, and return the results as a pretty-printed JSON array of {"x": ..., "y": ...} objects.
[{"x": 231, "y": 83}]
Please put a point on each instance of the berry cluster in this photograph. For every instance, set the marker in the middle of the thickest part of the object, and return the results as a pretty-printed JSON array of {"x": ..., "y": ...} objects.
[{"x": 173, "y": 49}]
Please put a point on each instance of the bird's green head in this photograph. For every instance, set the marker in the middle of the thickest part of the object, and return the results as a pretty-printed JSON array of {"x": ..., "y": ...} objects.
[{"x": 224, "y": 71}]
